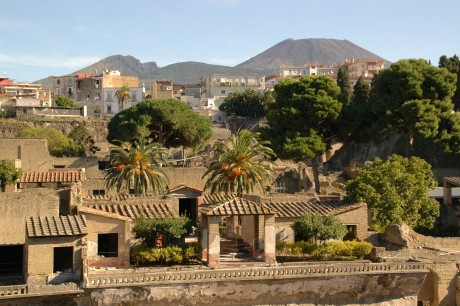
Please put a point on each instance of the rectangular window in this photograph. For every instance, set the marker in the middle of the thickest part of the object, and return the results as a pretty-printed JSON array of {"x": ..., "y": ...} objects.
[
  {"x": 63, "y": 259},
  {"x": 134, "y": 96},
  {"x": 109, "y": 96},
  {"x": 109, "y": 108},
  {"x": 58, "y": 82},
  {"x": 107, "y": 245},
  {"x": 57, "y": 91},
  {"x": 97, "y": 192},
  {"x": 223, "y": 91}
]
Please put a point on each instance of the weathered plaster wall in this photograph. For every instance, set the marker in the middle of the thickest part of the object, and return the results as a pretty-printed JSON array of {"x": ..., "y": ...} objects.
[
  {"x": 40, "y": 255},
  {"x": 359, "y": 217},
  {"x": 16, "y": 207},
  {"x": 99, "y": 224},
  {"x": 347, "y": 290}
]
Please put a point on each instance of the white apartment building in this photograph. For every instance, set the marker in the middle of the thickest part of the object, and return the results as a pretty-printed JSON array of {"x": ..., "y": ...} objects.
[{"x": 219, "y": 86}]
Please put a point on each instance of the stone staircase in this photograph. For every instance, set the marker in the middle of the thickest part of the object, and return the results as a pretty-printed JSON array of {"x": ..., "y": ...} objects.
[{"x": 234, "y": 250}]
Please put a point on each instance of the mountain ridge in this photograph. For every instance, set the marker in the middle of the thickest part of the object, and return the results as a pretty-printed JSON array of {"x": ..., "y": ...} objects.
[{"x": 288, "y": 52}]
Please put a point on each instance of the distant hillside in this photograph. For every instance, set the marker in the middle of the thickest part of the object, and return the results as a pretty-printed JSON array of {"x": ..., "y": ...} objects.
[
  {"x": 312, "y": 50},
  {"x": 287, "y": 52}
]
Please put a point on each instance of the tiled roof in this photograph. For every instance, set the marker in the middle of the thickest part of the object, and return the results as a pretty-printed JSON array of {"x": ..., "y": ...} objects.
[
  {"x": 51, "y": 177},
  {"x": 236, "y": 206},
  {"x": 185, "y": 187},
  {"x": 212, "y": 199},
  {"x": 298, "y": 209},
  {"x": 133, "y": 211},
  {"x": 121, "y": 197},
  {"x": 453, "y": 180},
  {"x": 56, "y": 226}
]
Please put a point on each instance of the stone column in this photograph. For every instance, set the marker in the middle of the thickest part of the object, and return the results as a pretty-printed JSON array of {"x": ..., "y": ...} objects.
[
  {"x": 213, "y": 241},
  {"x": 447, "y": 194},
  {"x": 204, "y": 237},
  {"x": 270, "y": 239},
  {"x": 260, "y": 231}
]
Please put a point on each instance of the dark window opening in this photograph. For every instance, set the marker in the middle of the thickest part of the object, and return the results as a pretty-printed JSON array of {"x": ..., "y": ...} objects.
[
  {"x": 63, "y": 259},
  {"x": 98, "y": 192},
  {"x": 351, "y": 233},
  {"x": 58, "y": 166},
  {"x": 107, "y": 245},
  {"x": 189, "y": 208},
  {"x": 11, "y": 260}
]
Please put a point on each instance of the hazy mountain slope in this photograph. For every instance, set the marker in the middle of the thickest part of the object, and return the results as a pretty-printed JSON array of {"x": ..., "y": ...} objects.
[
  {"x": 287, "y": 52},
  {"x": 312, "y": 50}
]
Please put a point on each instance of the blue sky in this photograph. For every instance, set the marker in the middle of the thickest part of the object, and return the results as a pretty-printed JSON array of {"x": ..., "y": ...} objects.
[{"x": 55, "y": 37}]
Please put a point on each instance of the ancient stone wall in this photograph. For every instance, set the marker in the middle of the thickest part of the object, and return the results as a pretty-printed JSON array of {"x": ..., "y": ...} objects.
[{"x": 16, "y": 207}]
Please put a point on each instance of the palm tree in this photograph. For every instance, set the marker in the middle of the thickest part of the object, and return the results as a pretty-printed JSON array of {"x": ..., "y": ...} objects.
[
  {"x": 239, "y": 167},
  {"x": 123, "y": 95},
  {"x": 137, "y": 167}
]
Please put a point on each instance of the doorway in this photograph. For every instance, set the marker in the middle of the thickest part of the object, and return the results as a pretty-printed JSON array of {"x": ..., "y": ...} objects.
[
  {"x": 11, "y": 260},
  {"x": 189, "y": 207},
  {"x": 63, "y": 259}
]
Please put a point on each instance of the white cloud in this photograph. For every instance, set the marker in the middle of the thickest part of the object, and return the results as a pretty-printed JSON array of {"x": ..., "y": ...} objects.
[{"x": 48, "y": 61}]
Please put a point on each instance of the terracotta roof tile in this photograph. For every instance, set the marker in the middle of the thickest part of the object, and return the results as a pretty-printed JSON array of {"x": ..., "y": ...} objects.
[
  {"x": 453, "y": 180},
  {"x": 236, "y": 206},
  {"x": 298, "y": 209},
  {"x": 133, "y": 211},
  {"x": 55, "y": 226},
  {"x": 51, "y": 177}
]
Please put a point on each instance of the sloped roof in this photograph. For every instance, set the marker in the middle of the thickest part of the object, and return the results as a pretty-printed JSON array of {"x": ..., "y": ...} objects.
[
  {"x": 298, "y": 209},
  {"x": 236, "y": 206},
  {"x": 180, "y": 187},
  {"x": 133, "y": 211},
  {"x": 55, "y": 226},
  {"x": 455, "y": 180},
  {"x": 212, "y": 199},
  {"x": 51, "y": 177}
]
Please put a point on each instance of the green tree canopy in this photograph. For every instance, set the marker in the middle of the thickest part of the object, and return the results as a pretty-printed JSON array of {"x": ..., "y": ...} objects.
[
  {"x": 8, "y": 174},
  {"x": 453, "y": 65},
  {"x": 314, "y": 227},
  {"x": 249, "y": 103},
  {"x": 169, "y": 122},
  {"x": 58, "y": 144},
  {"x": 356, "y": 121},
  {"x": 413, "y": 98},
  {"x": 64, "y": 101},
  {"x": 302, "y": 118},
  {"x": 239, "y": 166},
  {"x": 396, "y": 190},
  {"x": 170, "y": 230},
  {"x": 343, "y": 81},
  {"x": 137, "y": 166},
  {"x": 82, "y": 137}
]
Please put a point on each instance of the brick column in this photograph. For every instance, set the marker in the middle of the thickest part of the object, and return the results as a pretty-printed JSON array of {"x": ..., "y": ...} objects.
[
  {"x": 270, "y": 239},
  {"x": 204, "y": 237},
  {"x": 213, "y": 241}
]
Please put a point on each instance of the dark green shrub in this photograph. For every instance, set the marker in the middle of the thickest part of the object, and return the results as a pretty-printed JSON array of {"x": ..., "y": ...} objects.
[
  {"x": 313, "y": 227},
  {"x": 143, "y": 255},
  {"x": 170, "y": 230}
]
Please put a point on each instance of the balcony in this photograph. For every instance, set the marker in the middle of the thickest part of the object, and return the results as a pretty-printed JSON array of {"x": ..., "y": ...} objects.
[{"x": 226, "y": 84}]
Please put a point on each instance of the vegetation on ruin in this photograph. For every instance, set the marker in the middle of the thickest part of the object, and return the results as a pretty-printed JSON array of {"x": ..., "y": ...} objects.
[
  {"x": 59, "y": 145},
  {"x": 333, "y": 250},
  {"x": 302, "y": 121},
  {"x": 8, "y": 174},
  {"x": 171, "y": 123},
  {"x": 239, "y": 166},
  {"x": 137, "y": 166},
  {"x": 318, "y": 228},
  {"x": 396, "y": 191}
]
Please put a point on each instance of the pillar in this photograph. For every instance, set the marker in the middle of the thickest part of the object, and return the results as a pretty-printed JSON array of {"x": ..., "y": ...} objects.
[
  {"x": 260, "y": 231},
  {"x": 213, "y": 241},
  {"x": 447, "y": 194},
  {"x": 204, "y": 237},
  {"x": 270, "y": 239}
]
